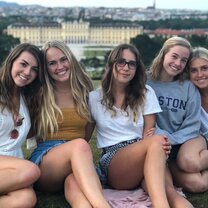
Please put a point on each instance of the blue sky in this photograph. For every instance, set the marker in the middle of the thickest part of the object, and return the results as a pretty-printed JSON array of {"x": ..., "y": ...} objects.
[{"x": 163, "y": 4}]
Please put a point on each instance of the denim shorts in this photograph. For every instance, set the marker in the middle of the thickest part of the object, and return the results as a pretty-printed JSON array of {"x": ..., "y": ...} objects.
[
  {"x": 42, "y": 149},
  {"x": 106, "y": 157}
]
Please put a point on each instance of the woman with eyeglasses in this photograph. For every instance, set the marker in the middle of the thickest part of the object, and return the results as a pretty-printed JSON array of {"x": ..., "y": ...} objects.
[
  {"x": 64, "y": 155},
  {"x": 123, "y": 110},
  {"x": 20, "y": 90}
]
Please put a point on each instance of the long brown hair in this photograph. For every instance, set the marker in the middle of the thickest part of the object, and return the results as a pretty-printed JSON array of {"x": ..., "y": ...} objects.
[
  {"x": 135, "y": 91},
  {"x": 32, "y": 92}
]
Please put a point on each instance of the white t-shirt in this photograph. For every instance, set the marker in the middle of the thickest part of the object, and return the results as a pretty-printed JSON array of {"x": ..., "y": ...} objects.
[
  {"x": 9, "y": 146},
  {"x": 113, "y": 130},
  {"x": 204, "y": 123}
]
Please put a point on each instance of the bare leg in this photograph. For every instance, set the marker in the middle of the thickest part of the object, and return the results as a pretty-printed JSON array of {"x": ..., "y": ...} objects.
[
  {"x": 74, "y": 195},
  {"x": 23, "y": 198},
  {"x": 155, "y": 161},
  {"x": 191, "y": 182},
  {"x": 190, "y": 170},
  {"x": 16, "y": 174},
  {"x": 145, "y": 158},
  {"x": 72, "y": 157},
  {"x": 174, "y": 198}
]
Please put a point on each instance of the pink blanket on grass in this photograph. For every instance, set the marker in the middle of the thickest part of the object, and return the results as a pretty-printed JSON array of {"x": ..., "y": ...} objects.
[{"x": 137, "y": 198}]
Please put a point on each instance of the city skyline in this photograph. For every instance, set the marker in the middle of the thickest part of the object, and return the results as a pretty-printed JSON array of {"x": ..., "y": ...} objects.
[{"x": 160, "y": 4}]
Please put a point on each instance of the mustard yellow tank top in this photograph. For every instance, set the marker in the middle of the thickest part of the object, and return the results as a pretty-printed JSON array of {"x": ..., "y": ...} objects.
[{"x": 72, "y": 126}]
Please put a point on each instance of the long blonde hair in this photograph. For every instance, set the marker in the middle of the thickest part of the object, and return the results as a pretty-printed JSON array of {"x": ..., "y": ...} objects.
[{"x": 79, "y": 83}]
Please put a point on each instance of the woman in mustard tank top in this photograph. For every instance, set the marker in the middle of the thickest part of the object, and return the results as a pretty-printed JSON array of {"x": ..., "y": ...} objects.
[{"x": 64, "y": 155}]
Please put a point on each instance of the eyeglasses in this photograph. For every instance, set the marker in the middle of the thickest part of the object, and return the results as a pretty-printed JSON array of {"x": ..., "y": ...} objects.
[
  {"x": 122, "y": 62},
  {"x": 17, "y": 122}
]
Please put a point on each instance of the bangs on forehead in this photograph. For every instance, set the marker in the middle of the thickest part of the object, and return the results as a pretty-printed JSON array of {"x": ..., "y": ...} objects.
[{"x": 203, "y": 56}]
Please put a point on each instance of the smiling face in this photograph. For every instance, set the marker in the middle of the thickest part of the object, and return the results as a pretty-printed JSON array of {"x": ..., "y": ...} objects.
[
  {"x": 125, "y": 68},
  {"x": 175, "y": 61},
  {"x": 24, "y": 69},
  {"x": 199, "y": 73},
  {"x": 58, "y": 65}
]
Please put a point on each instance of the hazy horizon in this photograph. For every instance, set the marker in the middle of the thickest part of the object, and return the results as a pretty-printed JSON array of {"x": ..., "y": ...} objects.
[{"x": 160, "y": 4}]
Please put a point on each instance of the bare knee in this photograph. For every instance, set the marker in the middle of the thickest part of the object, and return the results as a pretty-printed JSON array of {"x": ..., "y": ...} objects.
[
  {"x": 159, "y": 139},
  {"x": 188, "y": 163},
  {"x": 29, "y": 174},
  {"x": 81, "y": 145},
  {"x": 156, "y": 143}
]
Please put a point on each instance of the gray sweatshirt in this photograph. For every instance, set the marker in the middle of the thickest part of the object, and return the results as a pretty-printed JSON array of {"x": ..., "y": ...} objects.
[{"x": 180, "y": 102}]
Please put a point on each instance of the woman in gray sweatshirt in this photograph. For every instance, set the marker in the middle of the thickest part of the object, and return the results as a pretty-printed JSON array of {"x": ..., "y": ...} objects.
[{"x": 179, "y": 120}]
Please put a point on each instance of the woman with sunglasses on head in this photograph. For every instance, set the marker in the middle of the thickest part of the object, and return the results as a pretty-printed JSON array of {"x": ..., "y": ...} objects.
[
  {"x": 20, "y": 86},
  {"x": 64, "y": 155}
]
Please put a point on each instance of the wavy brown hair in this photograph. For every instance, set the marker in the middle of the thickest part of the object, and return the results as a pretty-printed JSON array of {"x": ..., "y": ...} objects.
[{"x": 134, "y": 92}]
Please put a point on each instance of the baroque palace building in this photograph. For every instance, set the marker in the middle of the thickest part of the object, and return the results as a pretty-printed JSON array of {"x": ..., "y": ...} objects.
[{"x": 75, "y": 32}]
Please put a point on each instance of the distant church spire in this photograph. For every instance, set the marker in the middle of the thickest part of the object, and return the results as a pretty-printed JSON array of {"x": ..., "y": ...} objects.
[{"x": 154, "y": 4}]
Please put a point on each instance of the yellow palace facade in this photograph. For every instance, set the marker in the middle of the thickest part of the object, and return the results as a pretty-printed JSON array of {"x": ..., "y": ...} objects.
[{"x": 75, "y": 32}]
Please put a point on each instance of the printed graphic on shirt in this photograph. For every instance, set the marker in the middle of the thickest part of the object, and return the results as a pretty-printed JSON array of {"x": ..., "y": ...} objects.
[{"x": 174, "y": 104}]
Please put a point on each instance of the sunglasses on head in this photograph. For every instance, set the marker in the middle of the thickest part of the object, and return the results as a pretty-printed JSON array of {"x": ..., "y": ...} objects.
[{"x": 17, "y": 122}]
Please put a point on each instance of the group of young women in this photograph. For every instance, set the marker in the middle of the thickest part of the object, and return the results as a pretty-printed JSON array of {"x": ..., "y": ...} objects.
[{"x": 149, "y": 126}]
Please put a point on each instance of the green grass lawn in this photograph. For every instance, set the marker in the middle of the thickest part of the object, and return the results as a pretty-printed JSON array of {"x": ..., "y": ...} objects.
[{"x": 58, "y": 201}]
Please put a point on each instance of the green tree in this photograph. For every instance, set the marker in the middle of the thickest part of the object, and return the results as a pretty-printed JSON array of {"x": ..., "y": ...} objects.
[
  {"x": 148, "y": 47},
  {"x": 197, "y": 41},
  {"x": 6, "y": 44}
]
